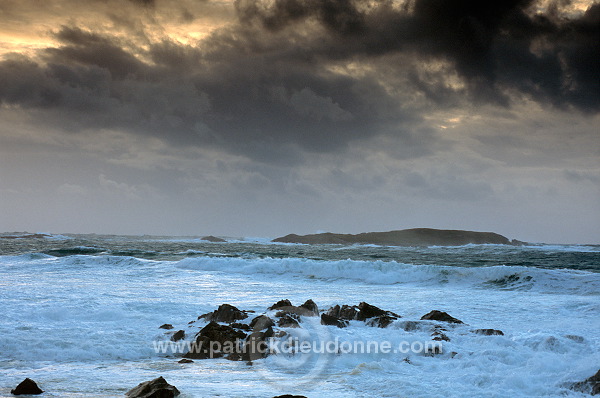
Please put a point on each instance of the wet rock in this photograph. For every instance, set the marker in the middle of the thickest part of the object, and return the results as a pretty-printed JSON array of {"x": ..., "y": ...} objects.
[
  {"x": 575, "y": 338},
  {"x": 213, "y": 239},
  {"x": 436, "y": 315},
  {"x": 311, "y": 306},
  {"x": 185, "y": 360},
  {"x": 157, "y": 388},
  {"x": 440, "y": 336},
  {"x": 290, "y": 396},
  {"x": 280, "y": 304},
  {"x": 489, "y": 332},
  {"x": 382, "y": 321},
  {"x": 346, "y": 312},
  {"x": 225, "y": 313},
  {"x": 367, "y": 311},
  {"x": 214, "y": 340},
  {"x": 411, "y": 326},
  {"x": 166, "y": 326},
  {"x": 26, "y": 387},
  {"x": 178, "y": 335},
  {"x": 333, "y": 321},
  {"x": 241, "y": 326},
  {"x": 261, "y": 322},
  {"x": 591, "y": 385},
  {"x": 288, "y": 321}
]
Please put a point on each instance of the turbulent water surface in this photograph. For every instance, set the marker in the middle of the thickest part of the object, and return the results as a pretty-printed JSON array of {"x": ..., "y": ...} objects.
[{"x": 80, "y": 315}]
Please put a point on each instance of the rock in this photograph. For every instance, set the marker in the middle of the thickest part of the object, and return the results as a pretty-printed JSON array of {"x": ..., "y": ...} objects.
[
  {"x": 213, "y": 239},
  {"x": 575, "y": 338},
  {"x": 345, "y": 312},
  {"x": 333, "y": 321},
  {"x": 439, "y": 336},
  {"x": 290, "y": 396},
  {"x": 280, "y": 304},
  {"x": 288, "y": 321},
  {"x": 405, "y": 237},
  {"x": 489, "y": 332},
  {"x": 256, "y": 346},
  {"x": 26, "y": 387},
  {"x": 167, "y": 326},
  {"x": 261, "y": 322},
  {"x": 225, "y": 313},
  {"x": 382, "y": 321},
  {"x": 311, "y": 306},
  {"x": 367, "y": 311},
  {"x": 241, "y": 326},
  {"x": 436, "y": 315},
  {"x": 157, "y": 388},
  {"x": 411, "y": 326},
  {"x": 185, "y": 360},
  {"x": 178, "y": 335},
  {"x": 591, "y": 385},
  {"x": 214, "y": 340}
]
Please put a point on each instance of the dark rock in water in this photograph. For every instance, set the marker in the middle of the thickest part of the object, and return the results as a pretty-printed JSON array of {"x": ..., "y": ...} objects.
[
  {"x": 241, "y": 326},
  {"x": 575, "y": 338},
  {"x": 436, "y": 315},
  {"x": 185, "y": 360},
  {"x": 489, "y": 332},
  {"x": 311, "y": 306},
  {"x": 167, "y": 326},
  {"x": 367, "y": 311},
  {"x": 290, "y": 396},
  {"x": 213, "y": 239},
  {"x": 26, "y": 387},
  {"x": 346, "y": 312},
  {"x": 382, "y": 321},
  {"x": 157, "y": 388},
  {"x": 225, "y": 313},
  {"x": 255, "y": 347},
  {"x": 411, "y": 326},
  {"x": 406, "y": 237},
  {"x": 280, "y": 304},
  {"x": 261, "y": 322},
  {"x": 288, "y": 321},
  {"x": 591, "y": 385},
  {"x": 439, "y": 336},
  {"x": 178, "y": 335},
  {"x": 213, "y": 340},
  {"x": 333, "y": 321}
]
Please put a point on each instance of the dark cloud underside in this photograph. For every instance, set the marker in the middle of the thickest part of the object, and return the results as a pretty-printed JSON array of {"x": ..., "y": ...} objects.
[{"x": 270, "y": 80}]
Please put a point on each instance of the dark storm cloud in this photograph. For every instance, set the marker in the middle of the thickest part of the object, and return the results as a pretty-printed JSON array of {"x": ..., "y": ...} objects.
[
  {"x": 491, "y": 44},
  {"x": 263, "y": 86}
]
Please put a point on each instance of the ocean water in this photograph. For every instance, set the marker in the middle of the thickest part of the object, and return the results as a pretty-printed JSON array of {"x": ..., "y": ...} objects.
[{"x": 80, "y": 314}]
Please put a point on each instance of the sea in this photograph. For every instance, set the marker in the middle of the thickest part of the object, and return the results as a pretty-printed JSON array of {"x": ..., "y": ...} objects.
[{"x": 80, "y": 315}]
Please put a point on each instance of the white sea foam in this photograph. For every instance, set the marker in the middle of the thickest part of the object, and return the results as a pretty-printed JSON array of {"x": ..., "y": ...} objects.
[
  {"x": 84, "y": 325},
  {"x": 391, "y": 272}
]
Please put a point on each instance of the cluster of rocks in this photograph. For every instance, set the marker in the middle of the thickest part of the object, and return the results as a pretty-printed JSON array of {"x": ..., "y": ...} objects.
[{"x": 232, "y": 334}]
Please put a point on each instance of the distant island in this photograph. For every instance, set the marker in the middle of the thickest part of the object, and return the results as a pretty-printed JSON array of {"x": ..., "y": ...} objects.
[{"x": 405, "y": 237}]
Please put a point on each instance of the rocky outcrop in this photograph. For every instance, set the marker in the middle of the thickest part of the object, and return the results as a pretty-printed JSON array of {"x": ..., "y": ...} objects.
[
  {"x": 405, "y": 237},
  {"x": 213, "y": 239},
  {"x": 214, "y": 341},
  {"x": 333, "y": 321},
  {"x": 442, "y": 316},
  {"x": 157, "y": 388},
  {"x": 178, "y": 335},
  {"x": 489, "y": 332},
  {"x": 27, "y": 387},
  {"x": 225, "y": 313},
  {"x": 166, "y": 326},
  {"x": 370, "y": 314},
  {"x": 591, "y": 385}
]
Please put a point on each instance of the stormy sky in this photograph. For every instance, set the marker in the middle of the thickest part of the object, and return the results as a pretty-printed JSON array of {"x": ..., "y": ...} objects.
[{"x": 262, "y": 118}]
